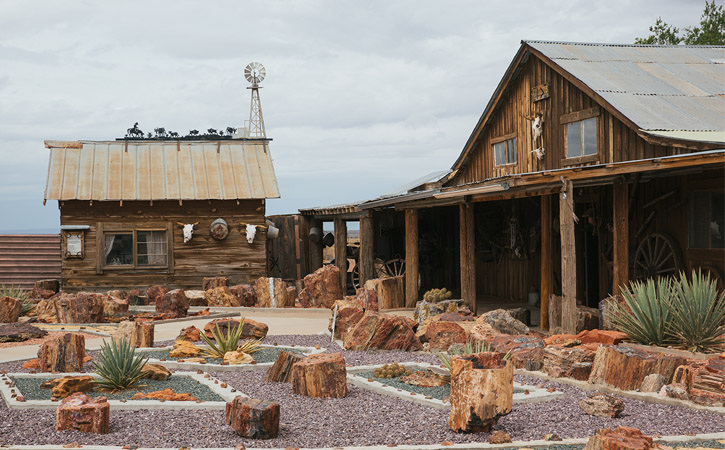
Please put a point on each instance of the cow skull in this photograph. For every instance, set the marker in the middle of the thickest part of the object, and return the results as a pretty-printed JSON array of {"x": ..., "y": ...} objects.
[
  {"x": 251, "y": 233},
  {"x": 188, "y": 229}
]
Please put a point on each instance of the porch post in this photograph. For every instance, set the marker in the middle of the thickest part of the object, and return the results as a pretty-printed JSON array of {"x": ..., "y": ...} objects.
[
  {"x": 315, "y": 256},
  {"x": 411, "y": 257},
  {"x": 620, "y": 262},
  {"x": 367, "y": 244},
  {"x": 341, "y": 251},
  {"x": 568, "y": 259},
  {"x": 468, "y": 255},
  {"x": 546, "y": 268}
]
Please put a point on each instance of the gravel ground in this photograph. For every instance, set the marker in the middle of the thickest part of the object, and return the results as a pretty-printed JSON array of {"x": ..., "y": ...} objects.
[
  {"x": 30, "y": 388},
  {"x": 264, "y": 355},
  {"x": 362, "y": 418},
  {"x": 439, "y": 392}
]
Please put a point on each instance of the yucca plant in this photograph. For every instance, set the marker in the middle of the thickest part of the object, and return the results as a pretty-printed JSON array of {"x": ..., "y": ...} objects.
[
  {"x": 118, "y": 366},
  {"x": 645, "y": 315},
  {"x": 468, "y": 349},
  {"x": 222, "y": 342},
  {"x": 18, "y": 293},
  {"x": 698, "y": 313}
]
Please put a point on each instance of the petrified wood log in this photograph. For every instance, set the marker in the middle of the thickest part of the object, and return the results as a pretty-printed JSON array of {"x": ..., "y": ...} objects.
[
  {"x": 382, "y": 331},
  {"x": 245, "y": 295},
  {"x": 62, "y": 353},
  {"x": 174, "y": 304},
  {"x": 83, "y": 307},
  {"x": 80, "y": 412},
  {"x": 220, "y": 296},
  {"x": 155, "y": 293},
  {"x": 622, "y": 438},
  {"x": 321, "y": 375},
  {"x": 47, "y": 285},
  {"x": 568, "y": 362},
  {"x": 214, "y": 282},
  {"x": 442, "y": 334},
  {"x": 349, "y": 314},
  {"x": 705, "y": 381},
  {"x": 390, "y": 291},
  {"x": 274, "y": 298},
  {"x": 321, "y": 288},
  {"x": 625, "y": 367},
  {"x": 139, "y": 333},
  {"x": 19, "y": 332},
  {"x": 253, "y": 418},
  {"x": 281, "y": 370},
  {"x": 9, "y": 309},
  {"x": 482, "y": 390},
  {"x": 251, "y": 329},
  {"x": 63, "y": 387},
  {"x": 602, "y": 405},
  {"x": 166, "y": 395}
]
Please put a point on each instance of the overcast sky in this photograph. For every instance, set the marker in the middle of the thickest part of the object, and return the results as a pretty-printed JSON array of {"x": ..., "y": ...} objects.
[{"x": 360, "y": 96}]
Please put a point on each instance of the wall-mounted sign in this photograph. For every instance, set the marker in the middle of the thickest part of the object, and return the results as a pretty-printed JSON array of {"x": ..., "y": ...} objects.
[
  {"x": 73, "y": 244},
  {"x": 540, "y": 92}
]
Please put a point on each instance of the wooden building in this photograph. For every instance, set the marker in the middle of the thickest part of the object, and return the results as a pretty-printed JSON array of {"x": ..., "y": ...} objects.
[
  {"x": 123, "y": 206},
  {"x": 591, "y": 165}
]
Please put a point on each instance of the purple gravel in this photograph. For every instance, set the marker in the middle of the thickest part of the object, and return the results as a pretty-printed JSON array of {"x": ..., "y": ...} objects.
[{"x": 362, "y": 418}]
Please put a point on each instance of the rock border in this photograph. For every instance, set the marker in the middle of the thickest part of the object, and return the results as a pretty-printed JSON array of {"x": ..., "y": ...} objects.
[{"x": 227, "y": 394}]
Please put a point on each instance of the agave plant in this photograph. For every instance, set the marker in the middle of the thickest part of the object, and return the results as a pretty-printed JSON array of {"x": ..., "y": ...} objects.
[
  {"x": 119, "y": 367},
  {"x": 468, "y": 349},
  {"x": 645, "y": 315},
  {"x": 221, "y": 342},
  {"x": 698, "y": 313},
  {"x": 18, "y": 293}
]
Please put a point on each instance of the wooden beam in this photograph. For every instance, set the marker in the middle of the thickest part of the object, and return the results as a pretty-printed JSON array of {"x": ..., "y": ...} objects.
[
  {"x": 315, "y": 249},
  {"x": 367, "y": 245},
  {"x": 468, "y": 255},
  {"x": 568, "y": 259},
  {"x": 547, "y": 274},
  {"x": 620, "y": 261},
  {"x": 341, "y": 251},
  {"x": 411, "y": 258}
]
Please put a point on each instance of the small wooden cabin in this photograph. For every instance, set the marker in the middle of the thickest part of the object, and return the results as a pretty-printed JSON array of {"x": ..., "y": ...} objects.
[{"x": 123, "y": 206}]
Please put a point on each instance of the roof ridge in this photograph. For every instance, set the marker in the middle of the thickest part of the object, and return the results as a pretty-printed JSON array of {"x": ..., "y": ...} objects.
[{"x": 612, "y": 44}]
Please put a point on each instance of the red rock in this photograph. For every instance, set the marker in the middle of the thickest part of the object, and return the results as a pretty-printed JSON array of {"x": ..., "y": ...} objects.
[
  {"x": 83, "y": 307},
  {"x": 52, "y": 285},
  {"x": 155, "y": 293},
  {"x": 369, "y": 298},
  {"x": 173, "y": 305},
  {"x": 320, "y": 375},
  {"x": 62, "y": 353},
  {"x": 9, "y": 309},
  {"x": 42, "y": 294},
  {"x": 602, "y": 405},
  {"x": 704, "y": 380},
  {"x": 80, "y": 412},
  {"x": 568, "y": 362},
  {"x": 608, "y": 337},
  {"x": 20, "y": 332},
  {"x": 63, "y": 387},
  {"x": 253, "y": 418},
  {"x": 165, "y": 394},
  {"x": 349, "y": 314},
  {"x": 214, "y": 282},
  {"x": 245, "y": 294},
  {"x": 622, "y": 438},
  {"x": 321, "y": 288},
  {"x": 276, "y": 298},
  {"x": 442, "y": 334},
  {"x": 499, "y": 437},
  {"x": 560, "y": 339},
  {"x": 114, "y": 306},
  {"x": 251, "y": 329},
  {"x": 382, "y": 331},
  {"x": 526, "y": 352},
  {"x": 32, "y": 364},
  {"x": 45, "y": 310},
  {"x": 191, "y": 334},
  {"x": 220, "y": 296},
  {"x": 625, "y": 367}
]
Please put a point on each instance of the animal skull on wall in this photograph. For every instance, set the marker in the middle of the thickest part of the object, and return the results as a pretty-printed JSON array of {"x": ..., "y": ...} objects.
[
  {"x": 251, "y": 233},
  {"x": 188, "y": 230}
]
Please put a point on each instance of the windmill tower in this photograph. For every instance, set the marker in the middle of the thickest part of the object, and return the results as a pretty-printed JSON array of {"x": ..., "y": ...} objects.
[{"x": 254, "y": 127}]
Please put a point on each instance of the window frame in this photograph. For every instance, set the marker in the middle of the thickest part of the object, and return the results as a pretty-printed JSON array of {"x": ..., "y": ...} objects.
[
  {"x": 580, "y": 116},
  {"x": 691, "y": 219},
  {"x": 504, "y": 140},
  {"x": 134, "y": 233}
]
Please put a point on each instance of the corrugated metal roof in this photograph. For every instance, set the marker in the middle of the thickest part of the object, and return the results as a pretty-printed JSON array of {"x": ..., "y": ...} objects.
[
  {"x": 659, "y": 88},
  {"x": 160, "y": 170}
]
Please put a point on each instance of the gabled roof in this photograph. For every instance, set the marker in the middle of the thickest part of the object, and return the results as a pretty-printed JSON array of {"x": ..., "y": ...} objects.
[
  {"x": 675, "y": 92},
  {"x": 160, "y": 170}
]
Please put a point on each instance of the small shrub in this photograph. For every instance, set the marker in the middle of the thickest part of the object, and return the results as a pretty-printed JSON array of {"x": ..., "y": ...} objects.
[
  {"x": 18, "y": 293},
  {"x": 221, "y": 343},
  {"x": 645, "y": 316},
  {"x": 469, "y": 348},
  {"x": 698, "y": 313},
  {"x": 119, "y": 367}
]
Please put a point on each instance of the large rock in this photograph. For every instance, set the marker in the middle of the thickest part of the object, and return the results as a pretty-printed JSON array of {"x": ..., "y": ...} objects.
[
  {"x": 52, "y": 285},
  {"x": 596, "y": 336},
  {"x": 383, "y": 331},
  {"x": 442, "y": 334},
  {"x": 64, "y": 352},
  {"x": 602, "y": 405},
  {"x": 9, "y": 309},
  {"x": 652, "y": 383},
  {"x": 63, "y": 387},
  {"x": 214, "y": 282},
  {"x": 272, "y": 293},
  {"x": 251, "y": 329},
  {"x": 281, "y": 370},
  {"x": 172, "y": 305},
  {"x": 196, "y": 297},
  {"x": 321, "y": 288},
  {"x": 139, "y": 333},
  {"x": 482, "y": 390},
  {"x": 220, "y": 296},
  {"x": 348, "y": 315},
  {"x": 114, "y": 306},
  {"x": 568, "y": 362},
  {"x": 253, "y": 418},
  {"x": 81, "y": 413},
  {"x": 156, "y": 372},
  {"x": 622, "y": 438},
  {"x": 626, "y": 367},
  {"x": 237, "y": 357},
  {"x": 369, "y": 298},
  {"x": 245, "y": 295},
  {"x": 320, "y": 375},
  {"x": 390, "y": 291},
  {"x": 155, "y": 293},
  {"x": 190, "y": 333},
  {"x": 20, "y": 332},
  {"x": 425, "y": 310},
  {"x": 83, "y": 307},
  {"x": 704, "y": 381},
  {"x": 166, "y": 395},
  {"x": 501, "y": 321},
  {"x": 184, "y": 349},
  {"x": 45, "y": 310},
  {"x": 525, "y": 352},
  {"x": 587, "y": 318}
]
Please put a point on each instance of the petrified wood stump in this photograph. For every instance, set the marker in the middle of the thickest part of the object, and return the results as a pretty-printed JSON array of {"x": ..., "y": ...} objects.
[
  {"x": 214, "y": 282},
  {"x": 568, "y": 362},
  {"x": 173, "y": 304},
  {"x": 9, "y": 309},
  {"x": 62, "y": 353},
  {"x": 80, "y": 412},
  {"x": 622, "y": 438},
  {"x": 625, "y": 367},
  {"x": 253, "y": 418},
  {"x": 281, "y": 370},
  {"x": 47, "y": 285},
  {"x": 321, "y": 375},
  {"x": 155, "y": 293},
  {"x": 602, "y": 405},
  {"x": 245, "y": 294},
  {"x": 139, "y": 333},
  {"x": 482, "y": 390},
  {"x": 83, "y": 307}
]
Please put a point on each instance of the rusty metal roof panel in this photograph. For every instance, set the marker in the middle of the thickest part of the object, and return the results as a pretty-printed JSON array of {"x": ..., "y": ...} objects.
[{"x": 160, "y": 170}]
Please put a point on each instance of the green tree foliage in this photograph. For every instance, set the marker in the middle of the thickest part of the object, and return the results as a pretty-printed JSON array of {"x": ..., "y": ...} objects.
[{"x": 711, "y": 30}]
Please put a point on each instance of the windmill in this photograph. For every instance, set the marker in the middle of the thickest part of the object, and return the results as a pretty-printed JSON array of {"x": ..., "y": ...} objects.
[{"x": 254, "y": 73}]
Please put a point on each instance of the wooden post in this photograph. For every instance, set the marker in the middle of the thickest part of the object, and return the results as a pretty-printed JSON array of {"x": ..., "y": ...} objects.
[
  {"x": 620, "y": 261},
  {"x": 367, "y": 244},
  {"x": 547, "y": 275},
  {"x": 411, "y": 258},
  {"x": 315, "y": 249},
  {"x": 468, "y": 255},
  {"x": 568, "y": 259},
  {"x": 341, "y": 251}
]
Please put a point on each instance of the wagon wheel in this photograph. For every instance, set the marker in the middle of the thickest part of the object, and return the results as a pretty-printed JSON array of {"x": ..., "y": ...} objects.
[
  {"x": 657, "y": 256},
  {"x": 394, "y": 267},
  {"x": 355, "y": 277}
]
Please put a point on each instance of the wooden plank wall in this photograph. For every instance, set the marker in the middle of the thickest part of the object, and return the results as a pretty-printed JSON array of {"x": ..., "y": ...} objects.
[
  {"x": 26, "y": 258},
  {"x": 202, "y": 257},
  {"x": 290, "y": 250}
]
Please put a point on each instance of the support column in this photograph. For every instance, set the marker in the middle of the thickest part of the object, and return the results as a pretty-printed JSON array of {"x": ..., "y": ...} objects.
[
  {"x": 568, "y": 259},
  {"x": 620, "y": 259},
  {"x": 547, "y": 274},
  {"x": 367, "y": 245},
  {"x": 411, "y": 258},
  {"x": 468, "y": 255},
  {"x": 341, "y": 251},
  {"x": 315, "y": 248}
]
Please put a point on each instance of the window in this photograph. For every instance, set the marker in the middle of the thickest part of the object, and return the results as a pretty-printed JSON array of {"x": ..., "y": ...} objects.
[
  {"x": 504, "y": 152},
  {"x": 581, "y": 138},
  {"x": 707, "y": 220},
  {"x": 146, "y": 249}
]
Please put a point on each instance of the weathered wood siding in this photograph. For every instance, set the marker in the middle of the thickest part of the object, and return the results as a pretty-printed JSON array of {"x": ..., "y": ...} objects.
[{"x": 202, "y": 257}]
